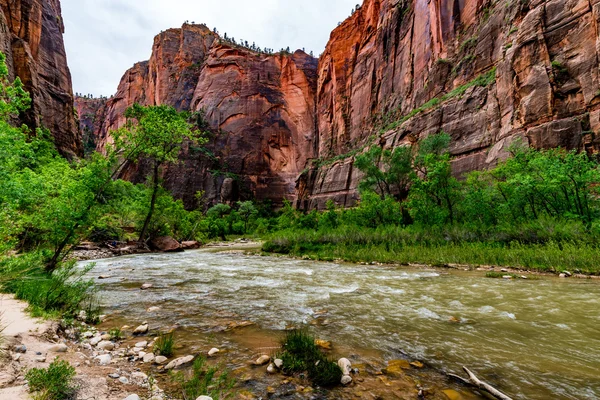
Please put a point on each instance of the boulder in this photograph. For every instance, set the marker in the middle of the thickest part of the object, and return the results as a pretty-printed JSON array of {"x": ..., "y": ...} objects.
[
  {"x": 104, "y": 359},
  {"x": 142, "y": 344},
  {"x": 166, "y": 244},
  {"x": 346, "y": 380},
  {"x": 58, "y": 348},
  {"x": 179, "y": 362},
  {"x": 147, "y": 286},
  {"x": 190, "y": 245},
  {"x": 213, "y": 352},
  {"x": 262, "y": 360},
  {"x": 106, "y": 345},
  {"x": 148, "y": 358},
  {"x": 160, "y": 360},
  {"x": 345, "y": 365},
  {"x": 140, "y": 330}
]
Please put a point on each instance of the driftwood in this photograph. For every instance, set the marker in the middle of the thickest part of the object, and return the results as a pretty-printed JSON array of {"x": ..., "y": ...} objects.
[{"x": 474, "y": 381}]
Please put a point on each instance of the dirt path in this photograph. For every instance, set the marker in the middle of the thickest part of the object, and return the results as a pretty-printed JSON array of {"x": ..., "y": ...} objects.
[{"x": 40, "y": 339}]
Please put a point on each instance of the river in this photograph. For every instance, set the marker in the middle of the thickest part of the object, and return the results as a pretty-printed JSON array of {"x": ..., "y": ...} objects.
[{"x": 533, "y": 339}]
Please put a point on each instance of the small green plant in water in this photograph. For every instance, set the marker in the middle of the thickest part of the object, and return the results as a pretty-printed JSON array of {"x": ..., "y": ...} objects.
[
  {"x": 116, "y": 334},
  {"x": 164, "y": 344},
  {"x": 53, "y": 383},
  {"x": 299, "y": 353},
  {"x": 204, "y": 380}
]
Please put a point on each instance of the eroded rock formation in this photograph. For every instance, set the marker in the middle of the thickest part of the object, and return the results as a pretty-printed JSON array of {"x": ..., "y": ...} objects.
[
  {"x": 31, "y": 37},
  {"x": 486, "y": 72}
]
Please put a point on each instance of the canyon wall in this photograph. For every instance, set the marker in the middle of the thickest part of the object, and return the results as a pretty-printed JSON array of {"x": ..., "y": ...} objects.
[
  {"x": 31, "y": 37},
  {"x": 392, "y": 57},
  {"x": 259, "y": 109},
  {"x": 487, "y": 72}
]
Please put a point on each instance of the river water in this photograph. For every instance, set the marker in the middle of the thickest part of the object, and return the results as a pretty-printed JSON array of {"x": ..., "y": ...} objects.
[{"x": 533, "y": 339}]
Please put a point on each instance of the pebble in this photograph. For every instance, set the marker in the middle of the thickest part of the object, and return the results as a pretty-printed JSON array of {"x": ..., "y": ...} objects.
[
  {"x": 153, "y": 309},
  {"x": 262, "y": 360},
  {"x": 562, "y": 276},
  {"x": 278, "y": 363},
  {"x": 160, "y": 360},
  {"x": 141, "y": 330},
  {"x": 178, "y": 362},
  {"x": 141, "y": 344},
  {"x": 204, "y": 398},
  {"x": 271, "y": 369},
  {"x": 213, "y": 352},
  {"x": 124, "y": 380},
  {"x": 106, "y": 336},
  {"x": 146, "y": 286},
  {"x": 346, "y": 380},
  {"x": 345, "y": 365},
  {"x": 40, "y": 359},
  {"x": 87, "y": 335},
  {"x": 148, "y": 358},
  {"x": 106, "y": 345},
  {"x": 104, "y": 359},
  {"x": 132, "y": 397},
  {"x": 95, "y": 340},
  {"x": 21, "y": 349},
  {"x": 114, "y": 375},
  {"x": 58, "y": 348},
  {"x": 16, "y": 357}
]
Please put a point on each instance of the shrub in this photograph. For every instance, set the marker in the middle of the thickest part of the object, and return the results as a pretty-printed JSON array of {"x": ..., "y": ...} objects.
[
  {"x": 115, "y": 334},
  {"x": 53, "y": 383},
  {"x": 164, "y": 344}
]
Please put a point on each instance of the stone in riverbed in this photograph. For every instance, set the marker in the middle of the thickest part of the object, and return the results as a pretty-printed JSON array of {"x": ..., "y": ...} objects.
[
  {"x": 213, "y": 352},
  {"x": 153, "y": 309},
  {"x": 147, "y": 286},
  {"x": 41, "y": 359},
  {"x": 271, "y": 369},
  {"x": 262, "y": 360},
  {"x": 278, "y": 363},
  {"x": 104, "y": 359},
  {"x": 140, "y": 330},
  {"x": 106, "y": 345},
  {"x": 21, "y": 349},
  {"x": 124, "y": 380},
  {"x": 58, "y": 348},
  {"x": 95, "y": 340},
  {"x": 346, "y": 380},
  {"x": 345, "y": 365},
  {"x": 204, "y": 398},
  {"x": 166, "y": 244},
  {"x": 148, "y": 358},
  {"x": 190, "y": 245},
  {"x": 396, "y": 367},
  {"x": 142, "y": 344},
  {"x": 178, "y": 362},
  {"x": 132, "y": 397},
  {"x": 160, "y": 360}
]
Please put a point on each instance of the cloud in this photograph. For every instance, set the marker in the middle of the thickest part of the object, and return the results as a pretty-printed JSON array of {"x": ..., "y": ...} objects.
[{"x": 106, "y": 37}]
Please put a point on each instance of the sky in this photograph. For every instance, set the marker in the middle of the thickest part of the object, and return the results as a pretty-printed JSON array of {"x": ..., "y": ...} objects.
[{"x": 104, "y": 38}]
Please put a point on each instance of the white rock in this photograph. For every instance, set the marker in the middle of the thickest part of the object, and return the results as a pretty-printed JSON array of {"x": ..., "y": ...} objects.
[
  {"x": 213, "y": 352},
  {"x": 124, "y": 380},
  {"x": 41, "y": 359},
  {"x": 148, "y": 358},
  {"x": 146, "y": 286},
  {"x": 95, "y": 340},
  {"x": 106, "y": 336},
  {"x": 87, "y": 335},
  {"x": 58, "y": 348},
  {"x": 16, "y": 357},
  {"x": 346, "y": 380},
  {"x": 204, "y": 398},
  {"x": 153, "y": 309},
  {"x": 141, "y": 354},
  {"x": 271, "y": 369},
  {"x": 345, "y": 365},
  {"x": 141, "y": 344},
  {"x": 136, "y": 350},
  {"x": 278, "y": 363},
  {"x": 106, "y": 345},
  {"x": 132, "y": 397},
  {"x": 178, "y": 362},
  {"x": 262, "y": 360},
  {"x": 141, "y": 329},
  {"x": 160, "y": 360},
  {"x": 104, "y": 359}
]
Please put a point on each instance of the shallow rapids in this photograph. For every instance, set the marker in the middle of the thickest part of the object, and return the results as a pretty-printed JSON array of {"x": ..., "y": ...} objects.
[{"x": 534, "y": 339}]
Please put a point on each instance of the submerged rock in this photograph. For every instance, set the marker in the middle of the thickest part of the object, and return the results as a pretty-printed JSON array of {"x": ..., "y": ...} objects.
[
  {"x": 262, "y": 360},
  {"x": 178, "y": 362}
]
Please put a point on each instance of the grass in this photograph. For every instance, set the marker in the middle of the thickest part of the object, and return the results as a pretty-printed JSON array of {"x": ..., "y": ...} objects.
[
  {"x": 3, "y": 352},
  {"x": 116, "y": 334},
  {"x": 62, "y": 294},
  {"x": 534, "y": 251},
  {"x": 53, "y": 383},
  {"x": 204, "y": 380},
  {"x": 300, "y": 354},
  {"x": 165, "y": 344}
]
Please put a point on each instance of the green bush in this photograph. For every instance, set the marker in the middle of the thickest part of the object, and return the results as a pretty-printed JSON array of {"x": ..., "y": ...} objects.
[{"x": 53, "y": 383}]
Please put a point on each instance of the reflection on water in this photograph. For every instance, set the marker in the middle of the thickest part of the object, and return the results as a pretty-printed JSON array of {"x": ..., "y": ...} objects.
[{"x": 535, "y": 339}]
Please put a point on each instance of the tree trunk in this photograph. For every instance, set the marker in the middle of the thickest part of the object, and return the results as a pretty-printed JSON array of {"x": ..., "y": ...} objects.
[{"x": 152, "y": 204}]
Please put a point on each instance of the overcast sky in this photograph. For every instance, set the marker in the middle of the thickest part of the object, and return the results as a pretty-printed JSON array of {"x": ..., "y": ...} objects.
[{"x": 106, "y": 37}]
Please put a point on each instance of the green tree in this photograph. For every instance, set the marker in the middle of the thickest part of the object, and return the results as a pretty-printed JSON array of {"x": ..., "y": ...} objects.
[
  {"x": 387, "y": 172},
  {"x": 155, "y": 133},
  {"x": 247, "y": 211}
]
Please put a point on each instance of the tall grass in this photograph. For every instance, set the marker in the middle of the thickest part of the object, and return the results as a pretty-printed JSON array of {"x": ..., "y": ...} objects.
[
  {"x": 165, "y": 344},
  {"x": 543, "y": 248},
  {"x": 53, "y": 383},
  {"x": 204, "y": 380}
]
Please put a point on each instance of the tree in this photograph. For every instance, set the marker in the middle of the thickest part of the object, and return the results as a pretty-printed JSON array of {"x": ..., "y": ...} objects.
[
  {"x": 155, "y": 133},
  {"x": 387, "y": 172},
  {"x": 247, "y": 211}
]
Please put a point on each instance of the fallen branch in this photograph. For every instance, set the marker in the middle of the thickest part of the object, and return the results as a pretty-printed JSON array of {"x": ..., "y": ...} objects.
[{"x": 474, "y": 381}]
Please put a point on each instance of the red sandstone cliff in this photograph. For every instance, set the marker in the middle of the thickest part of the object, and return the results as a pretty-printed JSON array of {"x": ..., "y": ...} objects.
[
  {"x": 392, "y": 56},
  {"x": 260, "y": 108},
  {"x": 31, "y": 38},
  {"x": 385, "y": 63}
]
